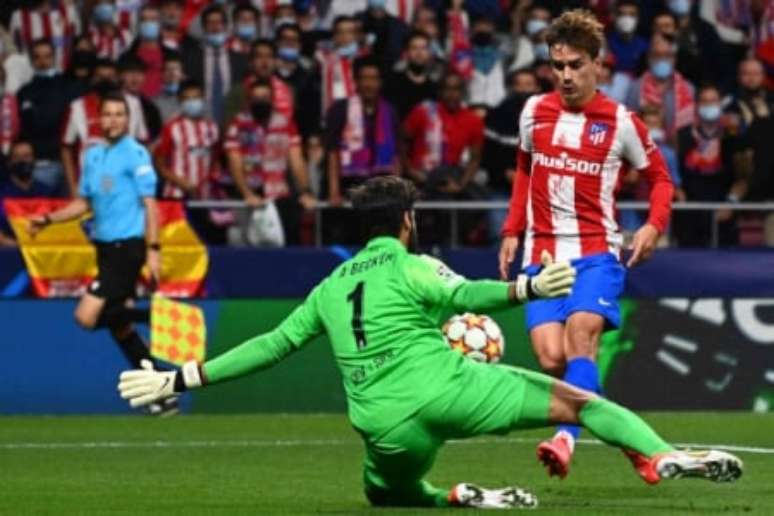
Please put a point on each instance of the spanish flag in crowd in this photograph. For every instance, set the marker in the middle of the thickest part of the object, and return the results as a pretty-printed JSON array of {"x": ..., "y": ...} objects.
[{"x": 61, "y": 261}]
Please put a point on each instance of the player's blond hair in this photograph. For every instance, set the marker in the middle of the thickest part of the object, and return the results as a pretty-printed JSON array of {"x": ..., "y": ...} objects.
[{"x": 578, "y": 29}]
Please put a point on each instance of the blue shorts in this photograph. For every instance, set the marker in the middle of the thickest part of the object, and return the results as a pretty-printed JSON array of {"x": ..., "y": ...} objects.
[{"x": 598, "y": 287}]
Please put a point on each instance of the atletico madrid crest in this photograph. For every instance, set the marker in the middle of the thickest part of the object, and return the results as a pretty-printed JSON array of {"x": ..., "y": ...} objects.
[{"x": 598, "y": 132}]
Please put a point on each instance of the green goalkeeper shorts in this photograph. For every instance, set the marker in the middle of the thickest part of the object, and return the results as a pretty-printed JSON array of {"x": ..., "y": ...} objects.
[{"x": 483, "y": 399}]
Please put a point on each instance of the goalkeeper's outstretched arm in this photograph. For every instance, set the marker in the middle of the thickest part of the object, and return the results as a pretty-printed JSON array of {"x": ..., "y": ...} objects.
[
  {"x": 145, "y": 386},
  {"x": 436, "y": 284}
]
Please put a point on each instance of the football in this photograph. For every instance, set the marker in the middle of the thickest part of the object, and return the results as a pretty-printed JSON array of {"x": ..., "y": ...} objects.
[{"x": 478, "y": 337}]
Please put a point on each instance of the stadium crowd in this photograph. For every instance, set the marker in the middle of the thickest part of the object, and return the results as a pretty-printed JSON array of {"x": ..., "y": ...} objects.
[{"x": 295, "y": 101}]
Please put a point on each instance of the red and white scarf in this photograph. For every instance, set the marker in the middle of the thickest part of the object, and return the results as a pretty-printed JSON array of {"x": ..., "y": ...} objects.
[
  {"x": 338, "y": 80},
  {"x": 9, "y": 122},
  {"x": 652, "y": 93},
  {"x": 433, "y": 156}
]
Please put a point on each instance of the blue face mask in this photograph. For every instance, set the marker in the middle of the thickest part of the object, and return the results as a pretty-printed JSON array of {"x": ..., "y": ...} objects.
[
  {"x": 680, "y": 7},
  {"x": 348, "y": 50},
  {"x": 288, "y": 54},
  {"x": 103, "y": 13},
  {"x": 535, "y": 26},
  {"x": 662, "y": 68},
  {"x": 48, "y": 73},
  {"x": 216, "y": 40},
  {"x": 710, "y": 112},
  {"x": 192, "y": 108},
  {"x": 171, "y": 88},
  {"x": 541, "y": 52},
  {"x": 150, "y": 30},
  {"x": 246, "y": 31}
]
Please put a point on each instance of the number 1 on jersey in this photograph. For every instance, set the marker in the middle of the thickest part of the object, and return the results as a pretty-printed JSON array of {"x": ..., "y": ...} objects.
[{"x": 356, "y": 298}]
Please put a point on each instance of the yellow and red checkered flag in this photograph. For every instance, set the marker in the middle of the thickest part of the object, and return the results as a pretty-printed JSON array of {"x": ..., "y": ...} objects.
[{"x": 178, "y": 331}]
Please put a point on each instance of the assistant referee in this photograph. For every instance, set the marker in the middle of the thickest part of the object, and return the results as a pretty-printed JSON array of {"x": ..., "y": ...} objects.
[{"x": 117, "y": 185}]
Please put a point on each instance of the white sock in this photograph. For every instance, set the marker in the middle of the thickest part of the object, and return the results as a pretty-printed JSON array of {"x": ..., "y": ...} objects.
[{"x": 567, "y": 437}]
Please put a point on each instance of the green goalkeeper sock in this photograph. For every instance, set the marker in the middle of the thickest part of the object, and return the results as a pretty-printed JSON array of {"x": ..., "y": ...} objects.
[{"x": 618, "y": 426}]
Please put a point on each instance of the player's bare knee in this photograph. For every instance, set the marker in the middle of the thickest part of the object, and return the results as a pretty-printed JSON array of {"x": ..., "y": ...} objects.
[
  {"x": 581, "y": 342},
  {"x": 85, "y": 320}
]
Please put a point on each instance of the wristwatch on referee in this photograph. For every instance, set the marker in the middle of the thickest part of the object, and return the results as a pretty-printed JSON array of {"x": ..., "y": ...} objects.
[{"x": 154, "y": 246}]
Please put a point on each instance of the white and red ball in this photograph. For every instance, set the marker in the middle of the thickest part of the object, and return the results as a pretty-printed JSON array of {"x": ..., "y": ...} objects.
[{"x": 478, "y": 337}]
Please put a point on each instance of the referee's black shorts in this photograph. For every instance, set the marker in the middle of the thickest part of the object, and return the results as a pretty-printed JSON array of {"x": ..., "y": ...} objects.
[{"x": 118, "y": 268}]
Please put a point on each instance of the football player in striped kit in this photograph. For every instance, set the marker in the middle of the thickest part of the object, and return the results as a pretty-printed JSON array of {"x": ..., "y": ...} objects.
[{"x": 576, "y": 145}]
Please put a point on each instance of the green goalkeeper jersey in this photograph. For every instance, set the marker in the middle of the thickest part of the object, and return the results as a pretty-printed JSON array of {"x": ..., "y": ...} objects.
[{"x": 382, "y": 311}]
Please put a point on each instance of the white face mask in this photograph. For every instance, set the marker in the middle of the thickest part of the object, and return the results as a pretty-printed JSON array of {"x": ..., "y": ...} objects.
[
  {"x": 626, "y": 23},
  {"x": 657, "y": 134}
]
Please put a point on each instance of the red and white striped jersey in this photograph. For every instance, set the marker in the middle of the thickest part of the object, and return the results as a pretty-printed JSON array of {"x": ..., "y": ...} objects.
[
  {"x": 190, "y": 148},
  {"x": 569, "y": 168},
  {"x": 82, "y": 126},
  {"x": 110, "y": 46},
  {"x": 58, "y": 24}
]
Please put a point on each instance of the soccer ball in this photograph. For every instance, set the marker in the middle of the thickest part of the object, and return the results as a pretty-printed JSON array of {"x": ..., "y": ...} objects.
[{"x": 476, "y": 336}]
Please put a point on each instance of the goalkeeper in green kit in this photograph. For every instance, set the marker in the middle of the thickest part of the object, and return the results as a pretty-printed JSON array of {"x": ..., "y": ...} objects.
[{"x": 407, "y": 391}]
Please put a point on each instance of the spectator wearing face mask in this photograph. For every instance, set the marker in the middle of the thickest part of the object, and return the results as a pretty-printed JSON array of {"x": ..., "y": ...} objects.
[
  {"x": 706, "y": 154},
  {"x": 661, "y": 85},
  {"x": 261, "y": 146},
  {"x": 9, "y": 117},
  {"x": 18, "y": 184},
  {"x": 81, "y": 128},
  {"x": 623, "y": 42},
  {"x": 109, "y": 40},
  {"x": 415, "y": 78},
  {"x": 530, "y": 44},
  {"x": 336, "y": 64},
  {"x": 245, "y": 22},
  {"x": 172, "y": 76},
  {"x": 43, "y": 103},
  {"x": 187, "y": 149},
  {"x": 487, "y": 86},
  {"x": 212, "y": 64},
  {"x": 384, "y": 33},
  {"x": 148, "y": 48},
  {"x": 292, "y": 68}
]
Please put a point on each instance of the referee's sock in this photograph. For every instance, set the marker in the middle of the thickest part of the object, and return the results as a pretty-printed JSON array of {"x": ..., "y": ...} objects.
[
  {"x": 581, "y": 372},
  {"x": 133, "y": 347},
  {"x": 116, "y": 315}
]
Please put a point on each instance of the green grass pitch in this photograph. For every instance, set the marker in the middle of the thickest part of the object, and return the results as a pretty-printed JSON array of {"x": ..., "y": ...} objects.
[{"x": 310, "y": 464}]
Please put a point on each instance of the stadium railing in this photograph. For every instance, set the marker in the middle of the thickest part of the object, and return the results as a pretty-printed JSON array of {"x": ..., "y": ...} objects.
[{"x": 455, "y": 207}]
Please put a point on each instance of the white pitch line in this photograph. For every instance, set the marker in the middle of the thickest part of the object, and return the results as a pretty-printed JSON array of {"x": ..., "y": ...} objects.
[{"x": 319, "y": 442}]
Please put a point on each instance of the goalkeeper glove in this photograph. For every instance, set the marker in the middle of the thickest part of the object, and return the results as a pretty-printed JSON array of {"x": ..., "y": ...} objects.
[
  {"x": 554, "y": 280},
  {"x": 142, "y": 387}
]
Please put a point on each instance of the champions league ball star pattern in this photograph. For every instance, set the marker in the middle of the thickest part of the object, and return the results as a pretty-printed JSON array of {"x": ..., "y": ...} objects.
[
  {"x": 478, "y": 337},
  {"x": 178, "y": 332}
]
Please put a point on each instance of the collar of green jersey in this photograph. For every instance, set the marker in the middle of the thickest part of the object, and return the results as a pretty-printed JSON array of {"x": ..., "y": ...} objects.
[{"x": 385, "y": 241}]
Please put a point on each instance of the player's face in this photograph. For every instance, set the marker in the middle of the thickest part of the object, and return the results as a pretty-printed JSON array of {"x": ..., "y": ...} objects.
[
  {"x": 114, "y": 120},
  {"x": 575, "y": 74}
]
